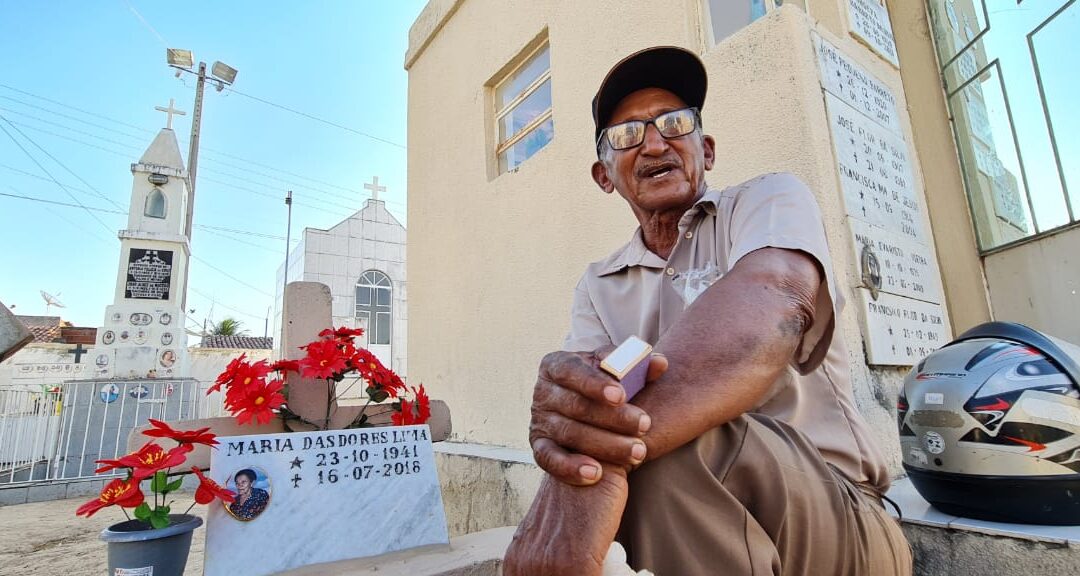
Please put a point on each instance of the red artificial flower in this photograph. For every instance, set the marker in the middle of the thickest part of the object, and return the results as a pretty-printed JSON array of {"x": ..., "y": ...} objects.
[
  {"x": 147, "y": 461},
  {"x": 125, "y": 494},
  {"x": 285, "y": 366},
  {"x": 405, "y": 416},
  {"x": 228, "y": 375},
  {"x": 258, "y": 401},
  {"x": 423, "y": 405},
  {"x": 208, "y": 490},
  {"x": 323, "y": 359},
  {"x": 417, "y": 411},
  {"x": 342, "y": 333},
  {"x": 184, "y": 437}
]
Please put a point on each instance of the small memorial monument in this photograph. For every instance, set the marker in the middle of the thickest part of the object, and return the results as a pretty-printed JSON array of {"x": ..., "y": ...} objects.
[{"x": 311, "y": 497}]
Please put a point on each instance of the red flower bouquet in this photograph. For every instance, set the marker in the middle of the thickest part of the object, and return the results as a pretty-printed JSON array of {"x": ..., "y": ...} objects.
[
  {"x": 154, "y": 462},
  {"x": 251, "y": 396}
]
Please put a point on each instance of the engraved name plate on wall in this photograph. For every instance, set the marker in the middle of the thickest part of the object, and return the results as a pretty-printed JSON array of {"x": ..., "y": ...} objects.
[
  {"x": 904, "y": 267},
  {"x": 900, "y": 331},
  {"x": 870, "y": 23},
  {"x": 842, "y": 77},
  {"x": 875, "y": 173}
]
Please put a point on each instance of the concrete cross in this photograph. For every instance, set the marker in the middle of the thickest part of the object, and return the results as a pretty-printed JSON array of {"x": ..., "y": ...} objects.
[
  {"x": 78, "y": 352},
  {"x": 375, "y": 188},
  {"x": 170, "y": 111}
]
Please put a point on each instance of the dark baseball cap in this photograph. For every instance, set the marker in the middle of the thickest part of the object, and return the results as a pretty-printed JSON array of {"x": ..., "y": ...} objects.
[{"x": 674, "y": 69}]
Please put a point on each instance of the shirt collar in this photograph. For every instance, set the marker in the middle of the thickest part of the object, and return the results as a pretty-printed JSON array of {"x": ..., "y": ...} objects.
[{"x": 635, "y": 253}]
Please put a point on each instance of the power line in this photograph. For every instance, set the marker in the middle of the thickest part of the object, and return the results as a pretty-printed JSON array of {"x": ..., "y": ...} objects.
[
  {"x": 316, "y": 118},
  {"x": 216, "y": 302},
  {"x": 43, "y": 169},
  {"x": 211, "y": 150},
  {"x": 349, "y": 209},
  {"x": 93, "y": 235},
  {"x": 231, "y": 277}
]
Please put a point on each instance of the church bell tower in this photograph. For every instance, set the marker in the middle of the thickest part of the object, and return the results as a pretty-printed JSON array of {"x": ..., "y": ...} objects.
[{"x": 143, "y": 335}]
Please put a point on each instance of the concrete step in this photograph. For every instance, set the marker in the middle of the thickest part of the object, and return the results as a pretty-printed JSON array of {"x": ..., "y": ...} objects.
[{"x": 946, "y": 544}]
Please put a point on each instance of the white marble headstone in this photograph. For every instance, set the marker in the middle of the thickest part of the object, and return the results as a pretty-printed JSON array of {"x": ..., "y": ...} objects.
[
  {"x": 844, "y": 78},
  {"x": 870, "y": 23},
  {"x": 900, "y": 331},
  {"x": 332, "y": 495}
]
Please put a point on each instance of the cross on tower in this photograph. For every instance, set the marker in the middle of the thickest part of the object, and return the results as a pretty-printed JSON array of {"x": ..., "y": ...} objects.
[
  {"x": 170, "y": 111},
  {"x": 374, "y": 187}
]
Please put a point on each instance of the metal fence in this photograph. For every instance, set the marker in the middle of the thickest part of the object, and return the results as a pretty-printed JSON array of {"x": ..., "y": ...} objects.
[{"x": 59, "y": 433}]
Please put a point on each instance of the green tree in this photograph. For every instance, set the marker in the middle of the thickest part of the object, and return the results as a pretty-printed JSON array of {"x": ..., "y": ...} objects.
[{"x": 227, "y": 327}]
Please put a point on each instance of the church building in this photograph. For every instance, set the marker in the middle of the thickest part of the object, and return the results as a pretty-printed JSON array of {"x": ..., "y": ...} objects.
[{"x": 362, "y": 260}]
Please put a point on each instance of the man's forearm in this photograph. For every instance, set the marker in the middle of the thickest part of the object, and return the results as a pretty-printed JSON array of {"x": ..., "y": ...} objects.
[{"x": 730, "y": 346}]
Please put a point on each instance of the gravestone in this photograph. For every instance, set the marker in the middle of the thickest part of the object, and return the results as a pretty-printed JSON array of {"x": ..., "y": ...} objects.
[
  {"x": 900, "y": 295},
  {"x": 13, "y": 334},
  {"x": 321, "y": 497},
  {"x": 870, "y": 23}
]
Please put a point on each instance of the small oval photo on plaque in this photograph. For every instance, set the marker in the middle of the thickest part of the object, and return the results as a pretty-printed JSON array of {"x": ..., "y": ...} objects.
[
  {"x": 252, "y": 489},
  {"x": 168, "y": 358},
  {"x": 124, "y": 335},
  {"x": 116, "y": 317},
  {"x": 166, "y": 339},
  {"x": 140, "y": 319},
  {"x": 166, "y": 319},
  {"x": 108, "y": 337},
  {"x": 140, "y": 336}
]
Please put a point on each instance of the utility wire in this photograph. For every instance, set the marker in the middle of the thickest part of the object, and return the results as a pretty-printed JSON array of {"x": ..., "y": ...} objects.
[
  {"x": 315, "y": 118},
  {"x": 204, "y": 148},
  {"x": 43, "y": 169},
  {"x": 231, "y": 277}
]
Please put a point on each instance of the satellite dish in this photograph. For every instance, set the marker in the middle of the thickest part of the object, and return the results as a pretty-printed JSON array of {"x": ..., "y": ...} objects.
[{"x": 51, "y": 301}]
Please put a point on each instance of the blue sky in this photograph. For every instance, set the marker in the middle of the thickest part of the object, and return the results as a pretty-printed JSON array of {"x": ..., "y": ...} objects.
[{"x": 81, "y": 80}]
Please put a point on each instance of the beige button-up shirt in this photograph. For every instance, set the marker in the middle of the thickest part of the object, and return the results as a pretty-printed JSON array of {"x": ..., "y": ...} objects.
[{"x": 636, "y": 292}]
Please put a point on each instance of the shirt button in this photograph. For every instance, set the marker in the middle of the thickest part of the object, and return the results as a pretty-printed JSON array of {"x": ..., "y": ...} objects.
[
  {"x": 670, "y": 271},
  {"x": 689, "y": 234}
]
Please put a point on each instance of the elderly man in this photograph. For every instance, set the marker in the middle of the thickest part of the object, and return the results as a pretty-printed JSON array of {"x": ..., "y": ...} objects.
[{"x": 744, "y": 453}]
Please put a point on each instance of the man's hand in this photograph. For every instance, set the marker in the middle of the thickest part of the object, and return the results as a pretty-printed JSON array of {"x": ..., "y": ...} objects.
[
  {"x": 580, "y": 418},
  {"x": 568, "y": 529}
]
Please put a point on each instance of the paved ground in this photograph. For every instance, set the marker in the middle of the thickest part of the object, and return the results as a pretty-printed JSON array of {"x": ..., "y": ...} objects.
[{"x": 47, "y": 538}]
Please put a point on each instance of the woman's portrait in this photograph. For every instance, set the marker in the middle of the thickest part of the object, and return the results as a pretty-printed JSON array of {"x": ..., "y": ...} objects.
[{"x": 252, "y": 488}]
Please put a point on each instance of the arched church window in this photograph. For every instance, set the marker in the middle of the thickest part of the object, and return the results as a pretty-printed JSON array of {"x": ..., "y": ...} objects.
[
  {"x": 155, "y": 204},
  {"x": 374, "y": 304}
]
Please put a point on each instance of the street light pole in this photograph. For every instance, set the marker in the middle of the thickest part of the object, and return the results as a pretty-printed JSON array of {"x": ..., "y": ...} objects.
[
  {"x": 193, "y": 150},
  {"x": 221, "y": 75},
  {"x": 285, "y": 274}
]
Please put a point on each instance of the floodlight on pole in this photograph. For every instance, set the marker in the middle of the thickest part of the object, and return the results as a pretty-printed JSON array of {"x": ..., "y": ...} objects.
[
  {"x": 184, "y": 61},
  {"x": 180, "y": 58},
  {"x": 223, "y": 72}
]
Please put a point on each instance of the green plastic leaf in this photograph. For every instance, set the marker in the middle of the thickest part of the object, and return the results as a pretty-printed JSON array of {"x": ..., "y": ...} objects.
[
  {"x": 174, "y": 485},
  {"x": 143, "y": 511},
  {"x": 159, "y": 482},
  {"x": 159, "y": 518}
]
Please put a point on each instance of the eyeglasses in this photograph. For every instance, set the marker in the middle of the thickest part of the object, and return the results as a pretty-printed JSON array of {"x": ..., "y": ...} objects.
[{"x": 670, "y": 125}]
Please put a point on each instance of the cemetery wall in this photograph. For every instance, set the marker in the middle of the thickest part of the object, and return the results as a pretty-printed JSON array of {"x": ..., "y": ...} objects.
[{"x": 494, "y": 257}]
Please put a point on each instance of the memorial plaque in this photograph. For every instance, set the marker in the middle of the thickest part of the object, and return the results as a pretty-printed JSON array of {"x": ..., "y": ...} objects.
[
  {"x": 870, "y": 23},
  {"x": 842, "y": 77},
  {"x": 322, "y": 496},
  {"x": 875, "y": 174},
  {"x": 903, "y": 267},
  {"x": 149, "y": 274},
  {"x": 900, "y": 331}
]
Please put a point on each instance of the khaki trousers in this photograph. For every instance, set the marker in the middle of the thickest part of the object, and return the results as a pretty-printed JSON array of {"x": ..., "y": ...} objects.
[{"x": 754, "y": 496}]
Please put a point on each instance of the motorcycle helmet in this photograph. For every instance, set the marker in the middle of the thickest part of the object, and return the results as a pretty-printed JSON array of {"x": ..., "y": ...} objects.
[{"x": 990, "y": 426}]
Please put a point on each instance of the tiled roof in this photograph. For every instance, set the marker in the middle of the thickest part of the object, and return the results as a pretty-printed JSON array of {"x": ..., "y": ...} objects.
[
  {"x": 44, "y": 328},
  {"x": 246, "y": 342}
]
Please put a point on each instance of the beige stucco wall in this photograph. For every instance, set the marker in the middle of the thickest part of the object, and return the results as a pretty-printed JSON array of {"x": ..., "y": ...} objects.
[
  {"x": 493, "y": 261},
  {"x": 1038, "y": 284}
]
